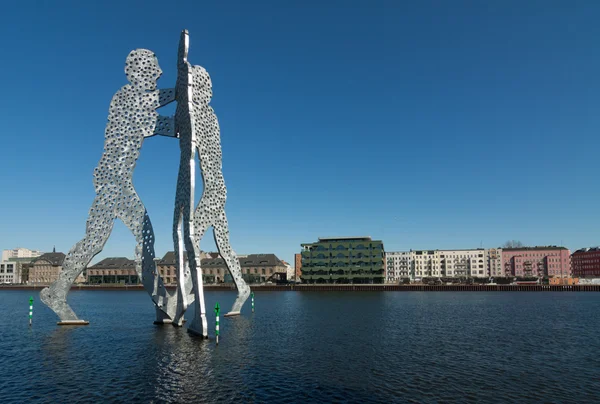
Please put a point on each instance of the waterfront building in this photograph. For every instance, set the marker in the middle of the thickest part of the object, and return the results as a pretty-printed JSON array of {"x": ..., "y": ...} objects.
[
  {"x": 16, "y": 270},
  {"x": 9, "y": 272},
  {"x": 399, "y": 266},
  {"x": 426, "y": 264},
  {"x": 298, "y": 266},
  {"x": 114, "y": 270},
  {"x": 585, "y": 263},
  {"x": 494, "y": 263},
  {"x": 463, "y": 263},
  {"x": 167, "y": 265},
  {"x": 255, "y": 268},
  {"x": 20, "y": 252},
  {"x": 289, "y": 271},
  {"x": 537, "y": 262},
  {"x": 419, "y": 264},
  {"x": 343, "y": 260}
]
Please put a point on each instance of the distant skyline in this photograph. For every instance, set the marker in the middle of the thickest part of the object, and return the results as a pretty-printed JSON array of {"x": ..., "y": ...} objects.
[{"x": 428, "y": 125}]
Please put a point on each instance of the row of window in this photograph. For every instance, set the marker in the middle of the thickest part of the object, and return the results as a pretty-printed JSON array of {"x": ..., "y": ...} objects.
[
  {"x": 342, "y": 248},
  {"x": 340, "y": 255}
]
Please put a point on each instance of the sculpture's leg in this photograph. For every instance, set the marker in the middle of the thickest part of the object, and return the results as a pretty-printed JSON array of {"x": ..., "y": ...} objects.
[
  {"x": 182, "y": 302},
  {"x": 221, "y": 231},
  {"x": 199, "y": 324},
  {"x": 136, "y": 218},
  {"x": 98, "y": 229}
]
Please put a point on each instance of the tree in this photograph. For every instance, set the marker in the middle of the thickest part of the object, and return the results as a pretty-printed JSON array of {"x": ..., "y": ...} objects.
[{"x": 512, "y": 244}]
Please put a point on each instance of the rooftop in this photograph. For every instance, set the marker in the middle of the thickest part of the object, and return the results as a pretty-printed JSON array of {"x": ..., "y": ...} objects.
[
  {"x": 114, "y": 263},
  {"x": 345, "y": 238},
  {"x": 588, "y": 249},
  {"x": 251, "y": 260},
  {"x": 55, "y": 258},
  {"x": 536, "y": 248}
]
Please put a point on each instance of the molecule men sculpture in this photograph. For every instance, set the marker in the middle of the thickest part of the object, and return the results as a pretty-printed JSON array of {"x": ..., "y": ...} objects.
[{"x": 132, "y": 118}]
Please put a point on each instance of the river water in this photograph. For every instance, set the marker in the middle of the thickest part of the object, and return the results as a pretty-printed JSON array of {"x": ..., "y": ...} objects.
[{"x": 309, "y": 347}]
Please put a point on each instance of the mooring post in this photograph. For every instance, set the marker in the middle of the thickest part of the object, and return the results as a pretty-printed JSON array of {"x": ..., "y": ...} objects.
[
  {"x": 217, "y": 311},
  {"x": 252, "y": 295},
  {"x": 30, "y": 309}
]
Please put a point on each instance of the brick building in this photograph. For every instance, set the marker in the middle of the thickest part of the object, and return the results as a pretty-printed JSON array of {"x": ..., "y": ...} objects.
[
  {"x": 45, "y": 269},
  {"x": 298, "y": 266},
  {"x": 585, "y": 263},
  {"x": 537, "y": 262}
]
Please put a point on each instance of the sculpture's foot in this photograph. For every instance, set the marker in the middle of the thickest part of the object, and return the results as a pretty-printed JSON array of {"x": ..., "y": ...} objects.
[
  {"x": 200, "y": 333},
  {"x": 72, "y": 322},
  {"x": 59, "y": 305},
  {"x": 232, "y": 314},
  {"x": 199, "y": 327},
  {"x": 165, "y": 321},
  {"x": 162, "y": 317},
  {"x": 244, "y": 293}
]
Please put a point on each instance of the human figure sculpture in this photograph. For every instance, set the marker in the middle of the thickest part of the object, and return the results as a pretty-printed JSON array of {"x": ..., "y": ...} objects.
[
  {"x": 193, "y": 114},
  {"x": 183, "y": 224},
  {"x": 132, "y": 118}
]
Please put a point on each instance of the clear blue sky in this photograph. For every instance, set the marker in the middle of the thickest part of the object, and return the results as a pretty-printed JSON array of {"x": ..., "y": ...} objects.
[{"x": 429, "y": 124}]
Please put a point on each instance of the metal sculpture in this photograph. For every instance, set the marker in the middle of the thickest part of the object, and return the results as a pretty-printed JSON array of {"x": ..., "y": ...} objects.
[
  {"x": 132, "y": 118},
  {"x": 194, "y": 114},
  {"x": 183, "y": 225}
]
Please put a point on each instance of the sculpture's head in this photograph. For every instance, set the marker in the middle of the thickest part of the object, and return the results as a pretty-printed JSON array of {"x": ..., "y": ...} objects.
[
  {"x": 184, "y": 45},
  {"x": 142, "y": 69},
  {"x": 202, "y": 85}
]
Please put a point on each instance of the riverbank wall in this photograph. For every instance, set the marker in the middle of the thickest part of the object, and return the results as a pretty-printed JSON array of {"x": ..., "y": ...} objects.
[{"x": 349, "y": 288}]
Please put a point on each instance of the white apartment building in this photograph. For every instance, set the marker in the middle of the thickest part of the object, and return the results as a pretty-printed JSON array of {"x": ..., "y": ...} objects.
[
  {"x": 464, "y": 263},
  {"x": 399, "y": 265},
  {"x": 20, "y": 252},
  {"x": 10, "y": 272},
  {"x": 419, "y": 264},
  {"x": 495, "y": 262},
  {"x": 426, "y": 264}
]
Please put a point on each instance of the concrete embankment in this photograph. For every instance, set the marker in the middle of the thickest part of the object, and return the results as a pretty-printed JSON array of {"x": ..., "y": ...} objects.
[{"x": 352, "y": 288}]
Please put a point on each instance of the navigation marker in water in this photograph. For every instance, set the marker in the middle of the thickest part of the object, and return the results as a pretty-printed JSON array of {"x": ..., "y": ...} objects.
[
  {"x": 30, "y": 309},
  {"x": 217, "y": 311}
]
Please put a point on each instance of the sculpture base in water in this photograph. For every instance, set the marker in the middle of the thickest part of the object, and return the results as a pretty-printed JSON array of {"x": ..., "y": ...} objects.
[
  {"x": 73, "y": 322},
  {"x": 232, "y": 313},
  {"x": 199, "y": 333},
  {"x": 166, "y": 321}
]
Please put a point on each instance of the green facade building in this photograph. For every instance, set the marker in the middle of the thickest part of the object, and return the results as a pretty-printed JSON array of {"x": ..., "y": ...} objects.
[{"x": 343, "y": 260}]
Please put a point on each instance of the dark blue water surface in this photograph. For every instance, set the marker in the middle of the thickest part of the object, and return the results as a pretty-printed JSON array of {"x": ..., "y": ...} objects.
[{"x": 309, "y": 347}]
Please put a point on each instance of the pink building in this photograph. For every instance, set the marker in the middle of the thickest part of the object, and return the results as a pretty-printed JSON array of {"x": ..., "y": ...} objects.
[{"x": 537, "y": 262}]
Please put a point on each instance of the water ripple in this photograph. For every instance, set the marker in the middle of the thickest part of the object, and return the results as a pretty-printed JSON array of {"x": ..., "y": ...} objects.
[{"x": 378, "y": 347}]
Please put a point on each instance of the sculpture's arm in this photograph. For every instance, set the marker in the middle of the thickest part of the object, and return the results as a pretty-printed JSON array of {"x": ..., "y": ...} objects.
[
  {"x": 165, "y": 126},
  {"x": 166, "y": 96}
]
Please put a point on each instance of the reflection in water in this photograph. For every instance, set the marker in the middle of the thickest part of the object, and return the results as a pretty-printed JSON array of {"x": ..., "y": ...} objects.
[{"x": 181, "y": 365}]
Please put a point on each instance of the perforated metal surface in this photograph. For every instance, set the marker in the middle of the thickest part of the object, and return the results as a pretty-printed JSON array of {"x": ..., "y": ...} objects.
[
  {"x": 132, "y": 117},
  {"x": 198, "y": 129}
]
